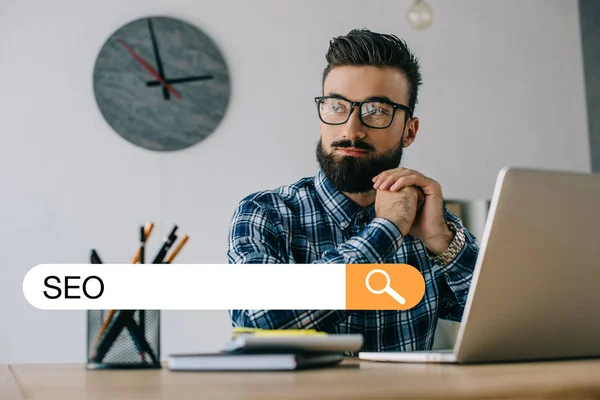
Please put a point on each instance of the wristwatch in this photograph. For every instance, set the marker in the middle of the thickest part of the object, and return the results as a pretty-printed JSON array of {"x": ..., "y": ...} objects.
[{"x": 455, "y": 247}]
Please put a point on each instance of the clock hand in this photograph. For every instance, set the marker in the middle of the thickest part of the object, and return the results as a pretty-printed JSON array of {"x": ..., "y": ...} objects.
[
  {"x": 148, "y": 68},
  {"x": 161, "y": 72},
  {"x": 180, "y": 80}
]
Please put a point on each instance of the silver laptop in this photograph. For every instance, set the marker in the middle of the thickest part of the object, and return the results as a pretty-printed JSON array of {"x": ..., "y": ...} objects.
[{"x": 535, "y": 293}]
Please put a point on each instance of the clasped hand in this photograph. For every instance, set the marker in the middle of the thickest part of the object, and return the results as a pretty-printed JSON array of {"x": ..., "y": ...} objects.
[{"x": 414, "y": 203}]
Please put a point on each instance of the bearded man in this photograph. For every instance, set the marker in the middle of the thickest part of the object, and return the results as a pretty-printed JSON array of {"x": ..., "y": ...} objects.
[{"x": 362, "y": 207}]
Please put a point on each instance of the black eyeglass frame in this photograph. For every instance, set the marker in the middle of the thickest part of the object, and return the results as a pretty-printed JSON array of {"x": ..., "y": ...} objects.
[{"x": 359, "y": 104}]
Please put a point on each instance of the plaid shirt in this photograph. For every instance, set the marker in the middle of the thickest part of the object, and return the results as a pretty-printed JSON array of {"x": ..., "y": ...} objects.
[{"x": 312, "y": 222}]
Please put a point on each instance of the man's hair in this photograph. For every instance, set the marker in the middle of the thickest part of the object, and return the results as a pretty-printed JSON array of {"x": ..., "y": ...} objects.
[{"x": 361, "y": 47}]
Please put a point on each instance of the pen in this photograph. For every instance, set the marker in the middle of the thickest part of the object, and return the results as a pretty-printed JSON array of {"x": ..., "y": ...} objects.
[
  {"x": 142, "y": 244},
  {"x": 167, "y": 243},
  {"x": 135, "y": 339},
  {"x": 142, "y": 313},
  {"x": 177, "y": 249},
  {"x": 140, "y": 338},
  {"x": 94, "y": 257}
]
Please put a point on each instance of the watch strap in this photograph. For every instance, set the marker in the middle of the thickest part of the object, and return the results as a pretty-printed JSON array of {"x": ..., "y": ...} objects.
[{"x": 453, "y": 249}]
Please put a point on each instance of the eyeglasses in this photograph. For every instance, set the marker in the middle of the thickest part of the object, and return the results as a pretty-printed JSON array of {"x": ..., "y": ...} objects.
[{"x": 377, "y": 114}]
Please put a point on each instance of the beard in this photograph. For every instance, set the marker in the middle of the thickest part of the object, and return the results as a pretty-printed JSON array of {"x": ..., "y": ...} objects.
[{"x": 355, "y": 174}]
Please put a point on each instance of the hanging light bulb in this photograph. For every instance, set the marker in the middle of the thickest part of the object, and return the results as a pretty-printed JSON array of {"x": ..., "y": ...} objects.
[{"x": 420, "y": 15}]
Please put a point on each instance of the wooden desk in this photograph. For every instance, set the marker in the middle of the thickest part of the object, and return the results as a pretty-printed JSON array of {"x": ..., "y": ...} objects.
[
  {"x": 351, "y": 380},
  {"x": 9, "y": 388}
]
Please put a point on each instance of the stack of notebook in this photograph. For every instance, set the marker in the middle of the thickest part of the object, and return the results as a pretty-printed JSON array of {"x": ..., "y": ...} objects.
[{"x": 265, "y": 350}]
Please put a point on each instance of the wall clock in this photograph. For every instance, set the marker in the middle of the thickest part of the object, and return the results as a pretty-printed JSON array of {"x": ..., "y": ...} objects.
[{"x": 161, "y": 83}]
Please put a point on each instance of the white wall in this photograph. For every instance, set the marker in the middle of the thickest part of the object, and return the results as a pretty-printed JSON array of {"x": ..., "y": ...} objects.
[{"x": 503, "y": 85}]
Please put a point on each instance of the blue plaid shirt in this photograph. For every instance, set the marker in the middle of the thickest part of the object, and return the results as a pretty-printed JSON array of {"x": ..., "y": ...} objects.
[{"x": 312, "y": 222}]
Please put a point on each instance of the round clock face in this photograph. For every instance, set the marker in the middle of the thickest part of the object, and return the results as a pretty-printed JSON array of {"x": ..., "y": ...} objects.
[{"x": 161, "y": 83}]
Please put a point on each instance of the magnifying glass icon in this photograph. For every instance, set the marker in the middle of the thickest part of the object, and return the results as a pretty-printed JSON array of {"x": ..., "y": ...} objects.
[{"x": 386, "y": 289}]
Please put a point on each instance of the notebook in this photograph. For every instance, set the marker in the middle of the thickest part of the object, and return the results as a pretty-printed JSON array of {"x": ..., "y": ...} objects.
[
  {"x": 294, "y": 343},
  {"x": 239, "y": 331},
  {"x": 251, "y": 362}
]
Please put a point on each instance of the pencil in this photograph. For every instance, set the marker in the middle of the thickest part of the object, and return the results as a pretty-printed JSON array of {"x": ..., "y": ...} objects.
[
  {"x": 105, "y": 324},
  {"x": 147, "y": 230},
  {"x": 177, "y": 249},
  {"x": 112, "y": 333},
  {"x": 111, "y": 313}
]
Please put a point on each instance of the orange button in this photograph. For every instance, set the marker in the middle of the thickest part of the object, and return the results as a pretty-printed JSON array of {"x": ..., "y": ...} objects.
[{"x": 383, "y": 286}]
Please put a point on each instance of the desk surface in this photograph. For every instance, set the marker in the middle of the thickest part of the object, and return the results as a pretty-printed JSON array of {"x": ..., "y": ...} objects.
[
  {"x": 350, "y": 380},
  {"x": 9, "y": 388}
]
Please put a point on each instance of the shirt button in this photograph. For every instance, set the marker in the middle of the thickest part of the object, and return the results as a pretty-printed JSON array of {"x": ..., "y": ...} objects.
[{"x": 344, "y": 225}]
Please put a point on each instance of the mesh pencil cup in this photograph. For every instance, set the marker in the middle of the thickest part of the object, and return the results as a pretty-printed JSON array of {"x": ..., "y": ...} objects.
[{"x": 119, "y": 339}]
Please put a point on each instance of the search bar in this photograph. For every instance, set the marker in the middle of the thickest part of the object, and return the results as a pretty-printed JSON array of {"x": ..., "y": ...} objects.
[{"x": 223, "y": 286}]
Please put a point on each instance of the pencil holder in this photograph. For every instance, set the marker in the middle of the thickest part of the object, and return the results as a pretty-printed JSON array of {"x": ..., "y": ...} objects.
[{"x": 118, "y": 339}]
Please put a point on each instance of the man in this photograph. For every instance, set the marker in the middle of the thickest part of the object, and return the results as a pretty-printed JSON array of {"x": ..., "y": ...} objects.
[{"x": 361, "y": 207}]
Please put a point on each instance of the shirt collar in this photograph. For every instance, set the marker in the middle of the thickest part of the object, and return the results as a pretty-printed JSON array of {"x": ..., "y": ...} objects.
[{"x": 341, "y": 209}]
